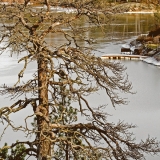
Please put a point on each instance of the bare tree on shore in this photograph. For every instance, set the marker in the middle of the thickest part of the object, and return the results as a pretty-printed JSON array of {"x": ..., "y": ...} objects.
[{"x": 67, "y": 73}]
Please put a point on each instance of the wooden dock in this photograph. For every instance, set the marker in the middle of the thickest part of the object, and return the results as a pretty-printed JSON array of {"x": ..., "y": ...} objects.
[{"x": 122, "y": 57}]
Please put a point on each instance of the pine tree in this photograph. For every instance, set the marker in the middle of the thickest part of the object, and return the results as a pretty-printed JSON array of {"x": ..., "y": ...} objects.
[{"x": 66, "y": 73}]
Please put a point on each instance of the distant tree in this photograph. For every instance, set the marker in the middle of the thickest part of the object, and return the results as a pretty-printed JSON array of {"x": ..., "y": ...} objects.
[{"x": 67, "y": 73}]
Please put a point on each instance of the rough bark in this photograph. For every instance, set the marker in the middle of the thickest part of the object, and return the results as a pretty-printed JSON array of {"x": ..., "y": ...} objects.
[{"x": 44, "y": 147}]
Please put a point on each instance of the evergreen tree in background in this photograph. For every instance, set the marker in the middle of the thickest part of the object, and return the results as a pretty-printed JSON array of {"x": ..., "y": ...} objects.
[{"x": 17, "y": 152}]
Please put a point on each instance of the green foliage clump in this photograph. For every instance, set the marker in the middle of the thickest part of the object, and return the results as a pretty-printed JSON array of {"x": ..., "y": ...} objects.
[{"x": 16, "y": 153}]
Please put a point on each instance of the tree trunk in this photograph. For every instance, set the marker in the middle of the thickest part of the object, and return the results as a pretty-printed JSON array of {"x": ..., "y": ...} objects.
[{"x": 44, "y": 147}]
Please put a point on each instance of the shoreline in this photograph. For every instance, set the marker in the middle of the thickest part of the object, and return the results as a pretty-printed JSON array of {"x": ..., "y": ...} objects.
[{"x": 140, "y": 12}]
